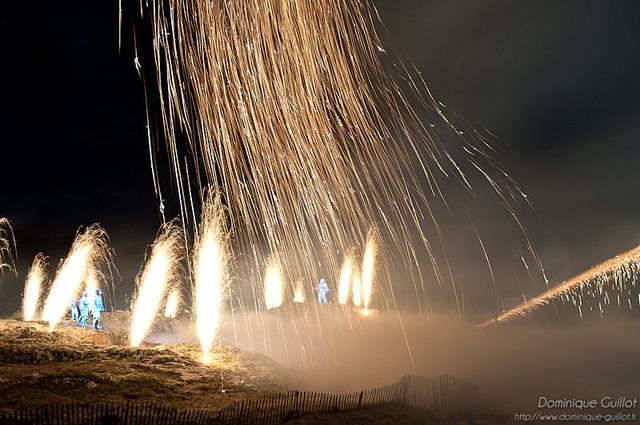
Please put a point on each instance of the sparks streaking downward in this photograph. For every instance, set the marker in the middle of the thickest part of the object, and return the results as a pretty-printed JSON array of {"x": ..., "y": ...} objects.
[
  {"x": 211, "y": 275},
  {"x": 620, "y": 267},
  {"x": 33, "y": 287}
]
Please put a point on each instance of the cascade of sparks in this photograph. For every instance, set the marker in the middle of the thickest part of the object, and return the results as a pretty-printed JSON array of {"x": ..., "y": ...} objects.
[
  {"x": 33, "y": 287},
  {"x": 91, "y": 285},
  {"x": 273, "y": 284},
  {"x": 89, "y": 255},
  {"x": 625, "y": 266},
  {"x": 173, "y": 302},
  {"x": 357, "y": 288},
  {"x": 211, "y": 272},
  {"x": 291, "y": 110},
  {"x": 160, "y": 273},
  {"x": 7, "y": 246},
  {"x": 369, "y": 268},
  {"x": 346, "y": 277}
]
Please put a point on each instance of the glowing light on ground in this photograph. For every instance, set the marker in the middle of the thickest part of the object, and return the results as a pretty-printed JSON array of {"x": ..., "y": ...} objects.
[
  {"x": 621, "y": 267},
  {"x": 346, "y": 277},
  {"x": 273, "y": 285},
  {"x": 160, "y": 272},
  {"x": 33, "y": 287},
  {"x": 173, "y": 302},
  {"x": 298, "y": 295},
  {"x": 90, "y": 253},
  {"x": 211, "y": 276},
  {"x": 369, "y": 268}
]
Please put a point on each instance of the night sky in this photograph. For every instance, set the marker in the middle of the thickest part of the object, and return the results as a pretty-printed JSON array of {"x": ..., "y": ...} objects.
[{"x": 556, "y": 80}]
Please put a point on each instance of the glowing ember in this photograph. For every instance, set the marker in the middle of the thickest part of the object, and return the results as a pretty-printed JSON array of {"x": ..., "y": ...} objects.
[
  {"x": 273, "y": 285},
  {"x": 368, "y": 268},
  {"x": 173, "y": 301},
  {"x": 33, "y": 287},
  {"x": 346, "y": 276},
  {"x": 210, "y": 273},
  {"x": 90, "y": 253},
  {"x": 160, "y": 272}
]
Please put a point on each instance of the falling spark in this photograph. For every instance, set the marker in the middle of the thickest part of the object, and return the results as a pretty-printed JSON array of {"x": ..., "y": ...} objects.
[
  {"x": 160, "y": 273},
  {"x": 211, "y": 274},
  {"x": 346, "y": 276},
  {"x": 273, "y": 285},
  {"x": 33, "y": 287},
  {"x": 369, "y": 268},
  {"x": 298, "y": 296},
  {"x": 622, "y": 266},
  {"x": 173, "y": 302},
  {"x": 289, "y": 109},
  {"x": 90, "y": 287},
  {"x": 89, "y": 253}
]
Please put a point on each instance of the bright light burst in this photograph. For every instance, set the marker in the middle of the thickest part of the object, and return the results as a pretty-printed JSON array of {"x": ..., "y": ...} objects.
[
  {"x": 33, "y": 287},
  {"x": 369, "y": 267},
  {"x": 346, "y": 278},
  {"x": 356, "y": 285},
  {"x": 90, "y": 254},
  {"x": 160, "y": 273},
  {"x": 211, "y": 274},
  {"x": 273, "y": 284},
  {"x": 173, "y": 302},
  {"x": 625, "y": 266},
  {"x": 298, "y": 295}
]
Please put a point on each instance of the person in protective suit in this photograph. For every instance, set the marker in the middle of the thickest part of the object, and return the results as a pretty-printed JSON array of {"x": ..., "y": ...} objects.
[
  {"x": 322, "y": 289},
  {"x": 84, "y": 309},
  {"x": 96, "y": 309},
  {"x": 75, "y": 313}
]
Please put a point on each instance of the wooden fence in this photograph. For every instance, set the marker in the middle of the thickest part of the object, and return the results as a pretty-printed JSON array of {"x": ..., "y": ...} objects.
[{"x": 422, "y": 392}]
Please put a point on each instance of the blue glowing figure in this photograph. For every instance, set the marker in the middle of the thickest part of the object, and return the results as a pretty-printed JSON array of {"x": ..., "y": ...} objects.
[
  {"x": 96, "y": 309},
  {"x": 84, "y": 309},
  {"x": 322, "y": 289}
]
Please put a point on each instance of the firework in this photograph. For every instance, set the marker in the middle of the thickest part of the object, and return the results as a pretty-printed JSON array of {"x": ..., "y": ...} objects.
[
  {"x": 160, "y": 273},
  {"x": 173, "y": 302},
  {"x": 346, "y": 277},
  {"x": 33, "y": 287},
  {"x": 7, "y": 246},
  {"x": 625, "y": 266},
  {"x": 273, "y": 285},
  {"x": 90, "y": 255},
  {"x": 211, "y": 274},
  {"x": 356, "y": 284},
  {"x": 298, "y": 295},
  {"x": 368, "y": 268},
  {"x": 290, "y": 108}
]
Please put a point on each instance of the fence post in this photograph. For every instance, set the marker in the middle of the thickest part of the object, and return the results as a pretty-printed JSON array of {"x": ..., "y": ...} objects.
[{"x": 360, "y": 398}]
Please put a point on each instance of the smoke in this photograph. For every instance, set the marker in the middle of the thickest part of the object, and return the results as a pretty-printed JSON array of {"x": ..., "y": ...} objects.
[{"x": 512, "y": 365}]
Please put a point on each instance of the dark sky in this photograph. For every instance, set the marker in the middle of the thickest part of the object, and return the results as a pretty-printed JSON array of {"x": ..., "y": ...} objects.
[{"x": 557, "y": 80}]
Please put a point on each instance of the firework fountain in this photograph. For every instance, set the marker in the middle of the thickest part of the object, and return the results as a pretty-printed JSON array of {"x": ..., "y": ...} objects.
[
  {"x": 160, "y": 273},
  {"x": 90, "y": 255},
  {"x": 346, "y": 278},
  {"x": 619, "y": 269},
  {"x": 7, "y": 246},
  {"x": 273, "y": 284},
  {"x": 173, "y": 303},
  {"x": 211, "y": 272},
  {"x": 33, "y": 287}
]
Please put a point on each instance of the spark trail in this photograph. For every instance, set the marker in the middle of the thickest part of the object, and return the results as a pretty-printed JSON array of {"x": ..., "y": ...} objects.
[
  {"x": 90, "y": 254},
  {"x": 7, "y": 246},
  {"x": 33, "y": 287},
  {"x": 160, "y": 273},
  {"x": 625, "y": 266},
  {"x": 293, "y": 110}
]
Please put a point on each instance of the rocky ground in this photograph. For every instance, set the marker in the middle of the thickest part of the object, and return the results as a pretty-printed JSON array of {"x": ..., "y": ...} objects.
[{"x": 72, "y": 364}]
